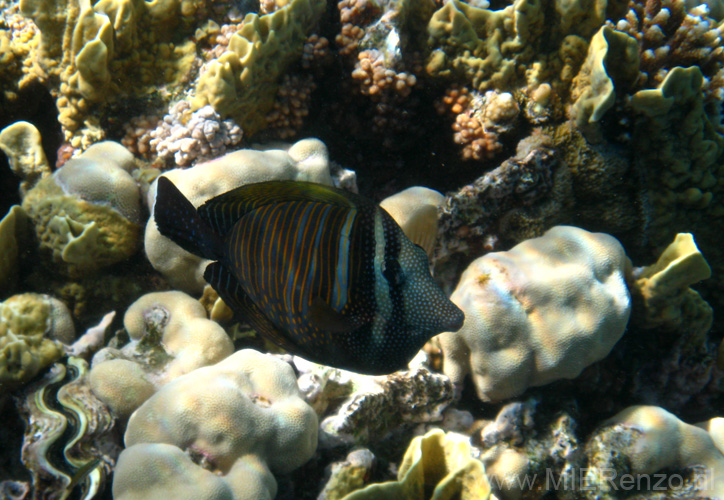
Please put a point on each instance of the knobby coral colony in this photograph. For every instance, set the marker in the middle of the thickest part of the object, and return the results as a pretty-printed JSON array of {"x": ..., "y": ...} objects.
[{"x": 578, "y": 140}]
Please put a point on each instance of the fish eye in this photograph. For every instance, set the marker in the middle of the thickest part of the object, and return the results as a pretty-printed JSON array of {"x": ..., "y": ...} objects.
[{"x": 393, "y": 273}]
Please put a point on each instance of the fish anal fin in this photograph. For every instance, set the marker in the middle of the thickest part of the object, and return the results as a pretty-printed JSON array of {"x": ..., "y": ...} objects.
[
  {"x": 324, "y": 317},
  {"x": 231, "y": 292}
]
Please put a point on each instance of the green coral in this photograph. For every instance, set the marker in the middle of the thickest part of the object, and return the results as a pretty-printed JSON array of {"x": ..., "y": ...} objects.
[
  {"x": 28, "y": 325},
  {"x": 80, "y": 236},
  {"x": 243, "y": 81},
  {"x": 679, "y": 146},
  {"x": 14, "y": 235},
  {"x": 612, "y": 64},
  {"x": 91, "y": 53},
  {"x": 521, "y": 43}
]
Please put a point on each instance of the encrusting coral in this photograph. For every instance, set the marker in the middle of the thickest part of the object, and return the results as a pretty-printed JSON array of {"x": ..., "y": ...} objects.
[
  {"x": 218, "y": 432},
  {"x": 654, "y": 441},
  {"x": 87, "y": 214},
  {"x": 21, "y": 144},
  {"x": 169, "y": 337},
  {"x": 438, "y": 466},
  {"x": 33, "y": 328},
  {"x": 242, "y": 81},
  {"x": 542, "y": 311}
]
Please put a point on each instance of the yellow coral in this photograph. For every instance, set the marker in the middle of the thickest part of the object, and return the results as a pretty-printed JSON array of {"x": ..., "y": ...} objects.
[
  {"x": 100, "y": 50},
  {"x": 21, "y": 143},
  {"x": 14, "y": 233},
  {"x": 612, "y": 63},
  {"x": 664, "y": 289},
  {"x": 29, "y": 326},
  {"x": 242, "y": 82},
  {"x": 436, "y": 462}
]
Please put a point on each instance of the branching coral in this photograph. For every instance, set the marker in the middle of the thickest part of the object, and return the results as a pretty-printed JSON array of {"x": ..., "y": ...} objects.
[
  {"x": 189, "y": 137},
  {"x": 291, "y": 105},
  {"x": 670, "y": 35},
  {"x": 480, "y": 120},
  {"x": 91, "y": 53}
]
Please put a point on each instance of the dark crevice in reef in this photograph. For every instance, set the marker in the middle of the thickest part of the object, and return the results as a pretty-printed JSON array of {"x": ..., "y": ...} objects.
[{"x": 34, "y": 104}]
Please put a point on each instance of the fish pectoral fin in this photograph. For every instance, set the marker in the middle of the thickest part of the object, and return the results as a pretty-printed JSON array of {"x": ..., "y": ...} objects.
[
  {"x": 231, "y": 292},
  {"x": 324, "y": 317}
]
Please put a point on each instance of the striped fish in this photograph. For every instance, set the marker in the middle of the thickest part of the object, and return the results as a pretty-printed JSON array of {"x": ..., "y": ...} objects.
[{"x": 323, "y": 273}]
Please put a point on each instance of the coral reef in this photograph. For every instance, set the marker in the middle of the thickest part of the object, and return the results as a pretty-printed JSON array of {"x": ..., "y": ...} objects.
[
  {"x": 223, "y": 428},
  {"x": 542, "y": 311},
  {"x": 33, "y": 328},
  {"x": 190, "y": 137},
  {"x": 241, "y": 82},
  {"x": 21, "y": 144},
  {"x": 169, "y": 337},
  {"x": 87, "y": 214},
  {"x": 604, "y": 115},
  {"x": 437, "y": 465}
]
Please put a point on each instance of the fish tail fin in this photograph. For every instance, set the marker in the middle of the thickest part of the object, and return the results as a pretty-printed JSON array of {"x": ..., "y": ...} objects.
[{"x": 177, "y": 219}]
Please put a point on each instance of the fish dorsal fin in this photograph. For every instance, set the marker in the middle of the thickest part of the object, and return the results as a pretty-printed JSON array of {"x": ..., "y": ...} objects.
[
  {"x": 231, "y": 292},
  {"x": 223, "y": 211}
]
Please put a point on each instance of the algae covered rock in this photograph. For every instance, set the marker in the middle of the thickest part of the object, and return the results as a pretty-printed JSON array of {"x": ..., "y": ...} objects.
[{"x": 32, "y": 330}]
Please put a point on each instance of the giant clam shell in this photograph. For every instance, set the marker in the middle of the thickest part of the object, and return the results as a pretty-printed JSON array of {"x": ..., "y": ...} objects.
[{"x": 68, "y": 438}]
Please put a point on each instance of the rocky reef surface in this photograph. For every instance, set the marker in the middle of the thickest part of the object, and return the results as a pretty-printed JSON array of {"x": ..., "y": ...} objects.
[{"x": 561, "y": 163}]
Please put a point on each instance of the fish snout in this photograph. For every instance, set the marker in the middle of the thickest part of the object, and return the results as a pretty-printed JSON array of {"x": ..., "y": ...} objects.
[{"x": 452, "y": 318}]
